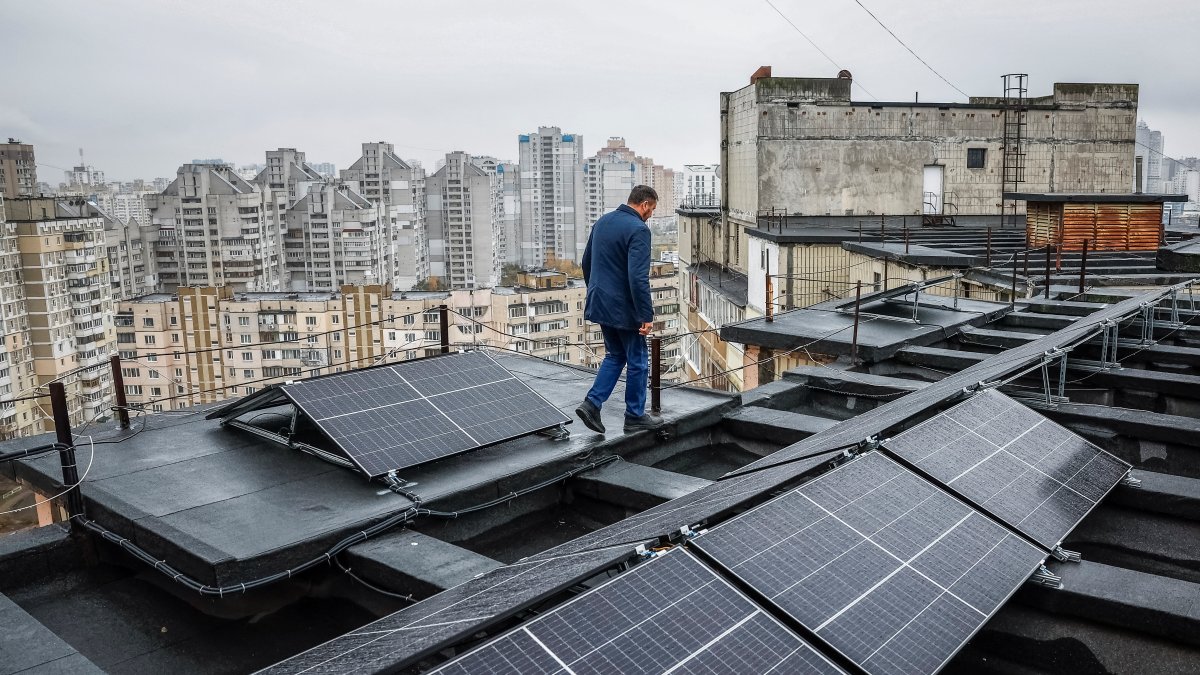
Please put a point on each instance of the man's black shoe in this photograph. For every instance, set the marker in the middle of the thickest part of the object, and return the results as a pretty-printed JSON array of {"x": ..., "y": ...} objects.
[
  {"x": 642, "y": 423},
  {"x": 590, "y": 415}
]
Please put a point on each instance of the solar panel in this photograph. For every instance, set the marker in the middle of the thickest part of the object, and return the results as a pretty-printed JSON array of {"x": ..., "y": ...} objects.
[
  {"x": 1029, "y": 472},
  {"x": 888, "y": 569},
  {"x": 671, "y": 614},
  {"x": 401, "y": 415}
]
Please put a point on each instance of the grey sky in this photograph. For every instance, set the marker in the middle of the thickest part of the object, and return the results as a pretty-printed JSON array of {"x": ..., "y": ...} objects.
[{"x": 146, "y": 86}]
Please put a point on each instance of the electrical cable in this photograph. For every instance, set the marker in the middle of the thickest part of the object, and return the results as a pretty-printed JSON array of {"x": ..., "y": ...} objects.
[
  {"x": 814, "y": 45},
  {"x": 910, "y": 51},
  {"x": 66, "y": 489}
]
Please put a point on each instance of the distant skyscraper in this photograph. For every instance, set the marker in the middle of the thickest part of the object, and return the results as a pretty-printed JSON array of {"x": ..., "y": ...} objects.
[
  {"x": 1149, "y": 146},
  {"x": 552, "y": 201},
  {"x": 612, "y": 172},
  {"x": 460, "y": 223},
  {"x": 398, "y": 189},
  {"x": 216, "y": 229},
  {"x": 608, "y": 176},
  {"x": 701, "y": 185},
  {"x": 18, "y": 170},
  {"x": 506, "y": 205},
  {"x": 335, "y": 237}
]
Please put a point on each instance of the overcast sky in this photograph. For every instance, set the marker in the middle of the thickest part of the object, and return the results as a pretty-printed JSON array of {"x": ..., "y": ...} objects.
[{"x": 143, "y": 87}]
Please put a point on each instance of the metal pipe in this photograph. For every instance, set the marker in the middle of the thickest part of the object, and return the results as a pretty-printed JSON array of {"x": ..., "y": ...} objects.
[
  {"x": 1083, "y": 267},
  {"x": 906, "y": 241},
  {"x": 119, "y": 390},
  {"x": 66, "y": 448},
  {"x": 770, "y": 289},
  {"x": 854, "y": 339},
  {"x": 1047, "y": 290},
  {"x": 655, "y": 374},
  {"x": 988, "y": 260},
  {"x": 444, "y": 321},
  {"x": 1013, "y": 294}
]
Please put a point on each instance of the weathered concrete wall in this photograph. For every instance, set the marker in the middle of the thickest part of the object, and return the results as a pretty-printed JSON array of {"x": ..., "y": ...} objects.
[{"x": 812, "y": 152}]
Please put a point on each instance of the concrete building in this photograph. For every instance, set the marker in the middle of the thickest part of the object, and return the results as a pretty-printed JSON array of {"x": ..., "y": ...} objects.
[
  {"x": 802, "y": 146},
  {"x": 201, "y": 345},
  {"x": 84, "y": 175},
  {"x": 506, "y": 204},
  {"x": 462, "y": 234},
  {"x": 129, "y": 247},
  {"x": 335, "y": 237},
  {"x": 701, "y": 185},
  {"x": 608, "y": 176},
  {"x": 68, "y": 304},
  {"x": 214, "y": 228},
  {"x": 397, "y": 188},
  {"x": 125, "y": 203},
  {"x": 1148, "y": 149},
  {"x": 552, "y": 199},
  {"x": 1186, "y": 182},
  {"x": 18, "y": 169}
]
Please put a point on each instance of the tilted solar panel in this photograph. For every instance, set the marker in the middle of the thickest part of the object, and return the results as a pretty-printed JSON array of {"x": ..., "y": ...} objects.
[
  {"x": 401, "y": 415},
  {"x": 888, "y": 569},
  {"x": 671, "y": 614},
  {"x": 1031, "y": 473}
]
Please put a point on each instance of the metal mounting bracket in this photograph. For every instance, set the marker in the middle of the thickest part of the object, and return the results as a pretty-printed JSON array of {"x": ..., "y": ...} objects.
[
  {"x": 1063, "y": 555},
  {"x": 1130, "y": 482},
  {"x": 1044, "y": 577},
  {"x": 557, "y": 433}
]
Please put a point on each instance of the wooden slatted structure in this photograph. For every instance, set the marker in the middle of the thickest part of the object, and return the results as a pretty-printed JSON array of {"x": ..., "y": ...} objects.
[{"x": 1108, "y": 222}]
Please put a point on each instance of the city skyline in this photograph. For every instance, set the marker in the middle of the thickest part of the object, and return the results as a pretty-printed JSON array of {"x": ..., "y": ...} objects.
[{"x": 651, "y": 76}]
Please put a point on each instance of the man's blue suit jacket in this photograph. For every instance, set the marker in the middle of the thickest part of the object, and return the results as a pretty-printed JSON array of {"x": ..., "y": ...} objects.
[{"x": 616, "y": 268}]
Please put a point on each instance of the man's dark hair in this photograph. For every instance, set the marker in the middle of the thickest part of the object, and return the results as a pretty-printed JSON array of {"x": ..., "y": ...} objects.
[{"x": 641, "y": 194}]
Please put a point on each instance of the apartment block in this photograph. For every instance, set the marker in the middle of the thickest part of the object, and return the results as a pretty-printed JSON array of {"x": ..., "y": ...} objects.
[
  {"x": 18, "y": 170},
  {"x": 461, "y": 231},
  {"x": 701, "y": 185},
  {"x": 215, "y": 228},
  {"x": 612, "y": 172},
  {"x": 17, "y": 377},
  {"x": 398, "y": 189},
  {"x": 335, "y": 236},
  {"x": 506, "y": 205},
  {"x": 68, "y": 301},
  {"x": 552, "y": 197},
  {"x": 129, "y": 247}
]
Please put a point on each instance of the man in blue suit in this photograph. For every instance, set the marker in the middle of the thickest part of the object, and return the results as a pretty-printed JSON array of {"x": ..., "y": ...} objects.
[{"x": 616, "y": 269}]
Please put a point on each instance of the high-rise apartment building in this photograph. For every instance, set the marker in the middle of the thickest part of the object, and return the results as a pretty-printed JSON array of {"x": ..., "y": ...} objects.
[
  {"x": 398, "y": 189},
  {"x": 129, "y": 248},
  {"x": 84, "y": 175},
  {"x": 215, "y": 228},
  {"x": 1148, "y": 146},
  {"x": 68, "y": 306},
  {"x": 552, "y": 198},
  {"x": 701, "y": 185},
  {"x": 460, "y": 223},
  {"x": 608, "y": 177},
  {"x": 506, "y": 205},
  {"x": 335, "y": 237},
  {"x": 18, "y": 170},
  {"x": 612, "y": 172}
]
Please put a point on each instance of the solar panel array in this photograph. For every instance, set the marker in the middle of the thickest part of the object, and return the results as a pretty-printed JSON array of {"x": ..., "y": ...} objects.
[
  {"x": 885, "y": 567},
  {"x": 409, "y": 413},
  {"x": 670, "y": 614},
  {"x": 1033, "y": 474}
]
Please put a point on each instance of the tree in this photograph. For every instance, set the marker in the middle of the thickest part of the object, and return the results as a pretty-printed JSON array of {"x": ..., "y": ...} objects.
[
  {"x": 567, "y": 267},
  {"x": 508, "y": 274},
  {"x": 434, "y": 283}
]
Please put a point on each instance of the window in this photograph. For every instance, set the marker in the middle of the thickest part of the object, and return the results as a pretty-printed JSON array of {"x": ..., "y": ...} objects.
[
  {"x": 153, "y": 374},
  {"x": 179, "y": 372},
  {"x": 155, "y": 391},
  {"x": 148, "y": 339},
  {"x": 130, "y": 372},
  {"x": 247, "y": 356},
  {"x": 310, "y": 320},
  {"x": 243, "y": 321},
  {"x": 148, "y": 322},
  {"x": 976, "y": 158},
  {"x": 248, "y": 374},
  {"x": 409, "y": 319},
  {"x": 245, "y": 338},
  {"x": 877, "y": 281},
  {"x": 133, "y": 389}
]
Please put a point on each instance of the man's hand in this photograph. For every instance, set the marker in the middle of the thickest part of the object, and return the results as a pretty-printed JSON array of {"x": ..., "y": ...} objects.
[{"x": 646, "y": 328}]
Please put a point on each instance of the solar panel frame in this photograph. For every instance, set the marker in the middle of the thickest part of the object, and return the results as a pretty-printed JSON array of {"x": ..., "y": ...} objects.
[
  {"x": 669, "y": 614},
  {"x": 368, "y": 423},
  {"x": 1031, "y": 473},
  {"x": 839, "y": 577}
]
